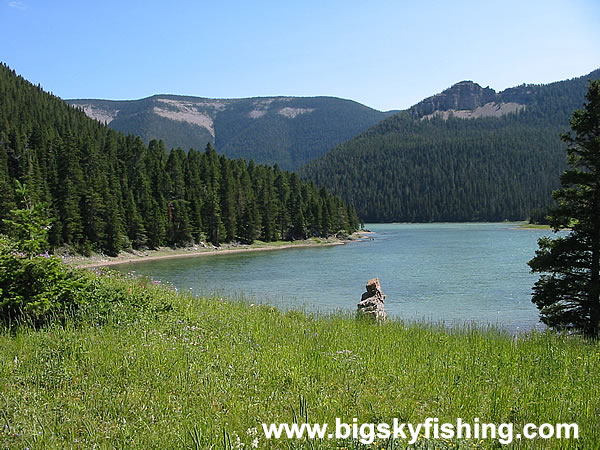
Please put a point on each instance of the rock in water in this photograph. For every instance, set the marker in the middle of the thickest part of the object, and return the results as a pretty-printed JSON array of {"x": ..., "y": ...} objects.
[{"x": 372, "y": 302}]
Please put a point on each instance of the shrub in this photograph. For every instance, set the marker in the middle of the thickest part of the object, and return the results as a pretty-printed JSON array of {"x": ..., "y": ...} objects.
[{"x": 36, "y": 288}]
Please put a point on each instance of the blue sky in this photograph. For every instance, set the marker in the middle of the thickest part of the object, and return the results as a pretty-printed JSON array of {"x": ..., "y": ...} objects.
[{"x": 385, "y": 54}]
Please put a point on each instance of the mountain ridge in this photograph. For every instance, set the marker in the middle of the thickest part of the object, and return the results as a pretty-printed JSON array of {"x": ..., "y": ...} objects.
[
  {"x": 286, "y": 130},
  {"x": 408, "y": 169},
  {"x": 291, "y": 131},
  {"x": 107, "y": 191}
]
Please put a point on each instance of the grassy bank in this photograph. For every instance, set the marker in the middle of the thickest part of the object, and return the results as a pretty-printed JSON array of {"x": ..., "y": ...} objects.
[
  {"x": 534, "y": 226},
  {"x": 160, "y": 369}
]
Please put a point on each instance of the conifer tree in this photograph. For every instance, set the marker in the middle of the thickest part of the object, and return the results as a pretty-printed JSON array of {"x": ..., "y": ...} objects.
[
  {"x": 228, "y": 199},
  {"x": 112, "y": 243},
  {"x": 69, "y": 193},
  {"x": 282, "y": 217},
  {"x": 249, "y": 217},
  {"x": 298, "y": 230},
  {"x": 568, "y": 292},
  {"x": 109, "y": 191},
  {"x": 29, "y": 224},
  {"x": 212, "y": 211},
  {"x": 267, "y": 207},
  {"x": 6, "y": 191},
  {"x": 136, "y": 232}
]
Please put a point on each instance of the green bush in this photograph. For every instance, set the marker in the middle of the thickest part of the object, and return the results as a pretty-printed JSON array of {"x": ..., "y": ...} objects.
[
  {"x": 40, "y": 289},
  {"x": 36, "y": 289}
]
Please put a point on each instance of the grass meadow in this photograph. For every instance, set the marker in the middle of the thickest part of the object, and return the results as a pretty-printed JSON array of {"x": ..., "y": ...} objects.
[{"x": 161, "y": 369}]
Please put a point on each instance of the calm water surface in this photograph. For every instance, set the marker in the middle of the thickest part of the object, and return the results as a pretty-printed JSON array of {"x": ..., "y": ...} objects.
[{"x": 451, "y": 273}]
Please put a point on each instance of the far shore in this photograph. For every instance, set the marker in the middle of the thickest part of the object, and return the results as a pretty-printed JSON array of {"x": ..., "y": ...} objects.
[{"x": 98, "y": 260}]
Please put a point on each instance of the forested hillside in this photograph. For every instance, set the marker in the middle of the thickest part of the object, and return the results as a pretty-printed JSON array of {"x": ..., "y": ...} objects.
[
  {"x": 289, "y": 131},
  {"x": 108, "y": 191},
  {"x": 429, "y": 164}
]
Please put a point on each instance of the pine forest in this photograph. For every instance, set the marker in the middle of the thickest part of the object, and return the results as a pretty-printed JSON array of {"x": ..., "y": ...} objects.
[{"x": 108, "y": 192}]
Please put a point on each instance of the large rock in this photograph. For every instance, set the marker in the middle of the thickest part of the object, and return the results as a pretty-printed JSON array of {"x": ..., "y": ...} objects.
[
  {"x": 465, "y": 95},
  {"x": 372, "y": 302}
]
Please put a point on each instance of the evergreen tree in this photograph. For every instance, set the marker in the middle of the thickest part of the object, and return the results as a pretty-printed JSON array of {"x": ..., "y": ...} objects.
[
  {"x": 95, "y": 193},
  {"x": 159, "y": 183},
  {"x": 180, "y": 230},
  {"x": 228, "y": 199},
  {"x": 249, "y": 227},
  {"x": 215, "y": 230},
  {"x": 568, "y": 294},
  {"x": 296, "y": 202},
  {"x": 266, "y": 206},
  {"x": 326, "y": 212},
  {"x": 113, "y": 232},
  {"x": 69, "y": 193},
  {"x": 134, "y": 225},
  {"x": 415, "y": 168},
  {"x": 29, "y": 225},
  {"x": 6, "y": 192},
  {"x": 194, "y": 194},
  {"x": 109, "y": 191},
  {"x": 282, "y": 217}
]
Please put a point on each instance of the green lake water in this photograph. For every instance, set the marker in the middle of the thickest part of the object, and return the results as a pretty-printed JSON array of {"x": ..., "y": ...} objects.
[{"x": 450, "y": 273}]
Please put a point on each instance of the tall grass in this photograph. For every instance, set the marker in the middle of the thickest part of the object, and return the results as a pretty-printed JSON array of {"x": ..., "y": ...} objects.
[{"x": 205, "y": 373}]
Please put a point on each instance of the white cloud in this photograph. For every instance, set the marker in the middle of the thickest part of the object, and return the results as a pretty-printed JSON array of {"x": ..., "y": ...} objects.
[{"x": 17, "y": 5}]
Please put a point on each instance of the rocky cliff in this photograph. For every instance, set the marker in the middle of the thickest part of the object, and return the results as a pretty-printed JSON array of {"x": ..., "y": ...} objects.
[{"x": 468, "y": 100}]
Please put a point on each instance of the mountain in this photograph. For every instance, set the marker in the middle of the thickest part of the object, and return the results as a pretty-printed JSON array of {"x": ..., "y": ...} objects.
[
  {"x": 289, "y": 131},
  {"x": 108, "y": 191},
  {"x": 466, "y": 100},
  {"x": 466, "y": 154}
]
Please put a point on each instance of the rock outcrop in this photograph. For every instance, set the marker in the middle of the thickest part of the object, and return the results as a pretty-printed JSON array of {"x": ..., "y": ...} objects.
[
  {"x": 468, "y": 100},
  {"x": 372, "y": 302},
  {"x": 465, "y": 95}
]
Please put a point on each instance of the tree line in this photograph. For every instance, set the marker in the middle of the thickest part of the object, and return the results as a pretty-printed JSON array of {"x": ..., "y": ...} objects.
[
  {"x": 408, "y": 169},
  {"x": 108, "y": 191},
  {"x": 455, "y": 170}
]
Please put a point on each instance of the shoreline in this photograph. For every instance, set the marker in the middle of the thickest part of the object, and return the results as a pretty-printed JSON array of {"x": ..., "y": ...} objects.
[{"x": 82, "y": 262}]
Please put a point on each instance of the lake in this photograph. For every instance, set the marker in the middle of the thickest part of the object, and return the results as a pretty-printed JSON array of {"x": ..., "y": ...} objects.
[{"x": 448, "y": 273}]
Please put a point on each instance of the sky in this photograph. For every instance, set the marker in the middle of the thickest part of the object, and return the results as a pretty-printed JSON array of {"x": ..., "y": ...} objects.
[{"x": 384, "y": 54}]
